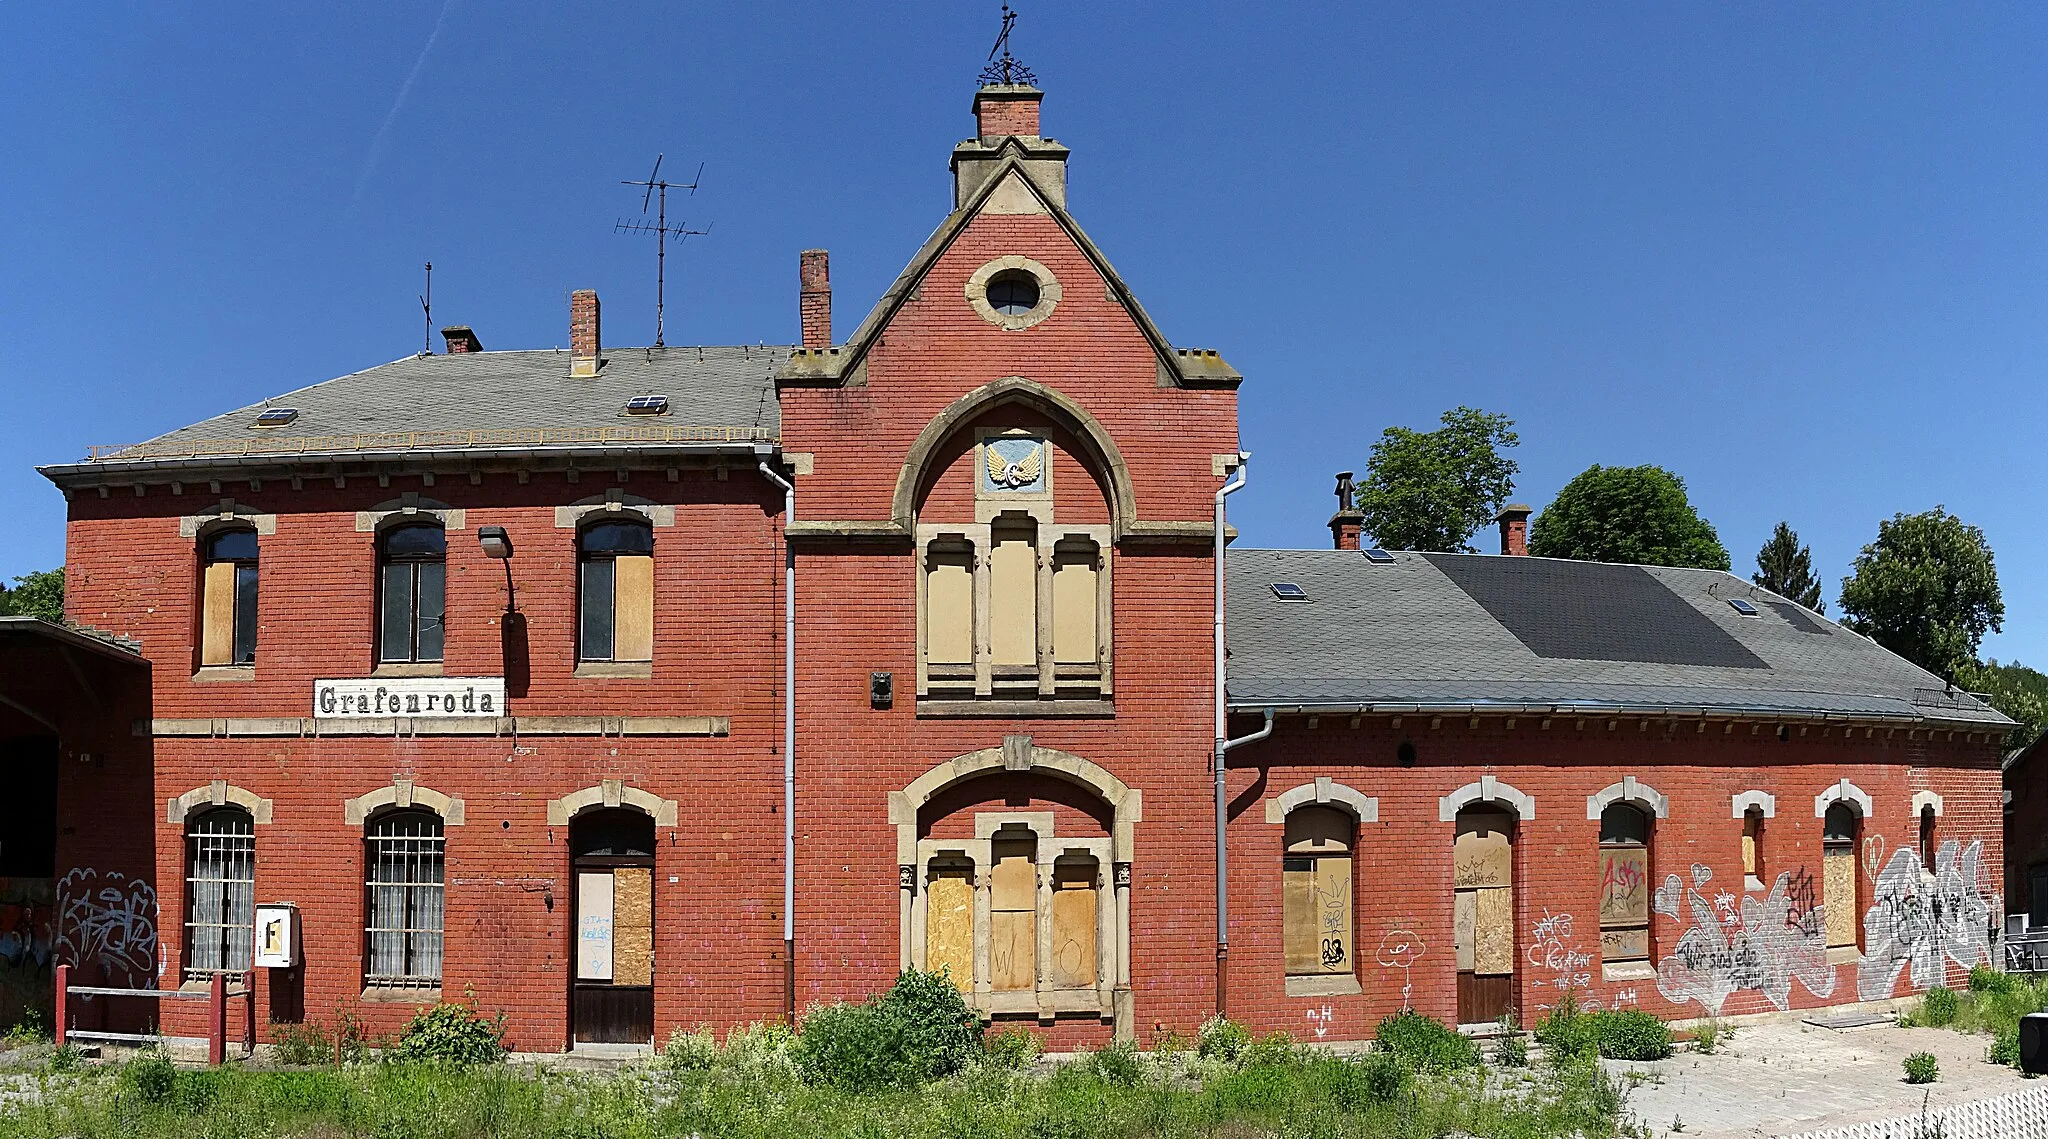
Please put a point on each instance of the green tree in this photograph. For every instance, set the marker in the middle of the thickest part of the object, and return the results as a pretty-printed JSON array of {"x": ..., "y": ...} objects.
[
  {"x": 2014, "y": 689},
  {"x": 1927, "y": 589},
  {"x": 1638, "y": 515},
  {"x": 39, "y": 594},
  {"x": 1785, "y": 568},
  {"x": 1432, "y": 490}
]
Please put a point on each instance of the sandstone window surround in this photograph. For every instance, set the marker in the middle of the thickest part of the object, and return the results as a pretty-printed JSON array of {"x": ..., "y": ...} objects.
[
  {"x": 1627, "y": 829},
  {"x": 1752, "y": 808},
  {"x": 1014, "y": 608},
  {"x": 1318, "y": 884}
]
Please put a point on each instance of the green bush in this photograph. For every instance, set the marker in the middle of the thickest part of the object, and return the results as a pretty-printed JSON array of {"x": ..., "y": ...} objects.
[
  {"x": 1938, "y": 1008},
  {"x": 1011, "y": 1049},
  {"x": 1275, "y": 1049},
  {"x": 1566, "y": 1032},
  {"x": 1630, "y": 1034},
  {"x": 453, "y": 1034},
  {"x": 1356, "y": 1084},
  {"x": 1922, "y": 1068},
  {"x": 66, "y": 1058},
  {"x": 151, "y": 1075},
  {"x": 1426, "y": 1044},
  {"x": 301, "y": 1044},
  {"x": 1117, "y": 1064},
  {"x": 1220, "y": 1038},
  {"x": 919, "y": 1030},
  {"x": 1251, "y": 1091},
  {"x": 1985, "y": 979},
  {"x": 2005, "y": 1049},
  {"x": 690, "y": 1051}
]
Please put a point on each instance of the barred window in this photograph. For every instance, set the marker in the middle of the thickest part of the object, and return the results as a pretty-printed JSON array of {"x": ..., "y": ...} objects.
[
  {"x": 405, "y": 858},
  {"x": 220, "y": 892}
]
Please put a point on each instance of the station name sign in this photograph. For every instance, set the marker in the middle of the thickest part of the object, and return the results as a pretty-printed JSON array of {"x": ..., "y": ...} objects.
[{"x": 458, "y": 696}]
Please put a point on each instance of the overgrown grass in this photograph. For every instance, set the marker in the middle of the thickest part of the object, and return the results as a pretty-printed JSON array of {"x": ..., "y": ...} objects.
[{"x": 1992, "y": 1006}]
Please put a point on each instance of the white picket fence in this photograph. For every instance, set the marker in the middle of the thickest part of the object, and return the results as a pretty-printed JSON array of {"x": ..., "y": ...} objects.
[{"x": 2021, "y": 1115}]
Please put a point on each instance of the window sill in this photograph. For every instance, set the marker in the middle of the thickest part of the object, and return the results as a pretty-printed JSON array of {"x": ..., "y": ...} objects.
[
  {"x": 399, "y": 995},
  {"x": 406, "y": 668},
  {"x": 1844, "y": 955},
  {"x": 1324, "y": 985},
  {"x": 1753, "y": 884},
  {"x": 1628, "y": 971},
  {"x": 600, "y": 669},
  {"x": 1013, "y": 709},
  {"x": 214, "y": 673}
]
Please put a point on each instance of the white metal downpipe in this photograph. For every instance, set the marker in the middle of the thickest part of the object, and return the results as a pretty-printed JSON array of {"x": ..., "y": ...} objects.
[
  {"x": 788, "y": 743},
  {"x": 1223, "y": 746}
]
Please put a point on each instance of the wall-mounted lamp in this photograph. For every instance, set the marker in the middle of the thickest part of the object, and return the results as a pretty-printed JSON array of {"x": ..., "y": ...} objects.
[{"x": 498, "y": 544}]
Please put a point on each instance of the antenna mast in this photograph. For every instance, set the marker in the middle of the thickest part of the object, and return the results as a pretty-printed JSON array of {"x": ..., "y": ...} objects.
[
  {"x": 657, "y": 191},
  {"x": 1006, "y": 71},
  {"x": 427, "y": 307}
]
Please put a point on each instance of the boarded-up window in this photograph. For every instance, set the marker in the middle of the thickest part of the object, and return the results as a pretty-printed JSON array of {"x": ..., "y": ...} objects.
[
  {"x": 1482, "y": 877},
  {"x": 1074, "y": 923},
  {"x": 949, "y": 604},
  {"x": 632, "y": 926},
  {"x": 227, "y": 609},
  {"x": 615, "y": 596},
  {"x": 595, "y": 916},
  {"x": 1074, "y": 603},
  {"x": 1624, "y": 884},
  {"x": 1753, "y": 843},
  {"x": 949, "y": 924},
  {"x": 1013, "y": 915},
  {"x": 1013, "y": 594},
  {"x": 1840, "y": 830},
  {"x": 1316, "y": 892}
]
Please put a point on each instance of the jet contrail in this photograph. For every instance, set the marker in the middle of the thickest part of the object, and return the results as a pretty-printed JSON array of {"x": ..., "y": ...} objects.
[{"x": 398, "y": 104}]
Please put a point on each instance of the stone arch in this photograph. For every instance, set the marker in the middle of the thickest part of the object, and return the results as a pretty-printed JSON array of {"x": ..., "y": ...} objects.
[
  {"x": 1762, "y": 801},
  {"x": 1017, "y": 753},
  {"x": 1924, "y": 799},
  {"x": 1628, "y": 791},
  {"x": 611, "y": 793},
  {"x": 1095, "y": 443},
  {"x": 1843, "y": 792},
  {"x": 1325, "y": 792},
  {"x": 219, "y": 793},
  {"x": 402, "y": 793},
  {"x": 1486, "y": 790}
]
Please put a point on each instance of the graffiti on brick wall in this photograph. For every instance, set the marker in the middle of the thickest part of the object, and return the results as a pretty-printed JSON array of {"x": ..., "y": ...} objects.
[
  {"x": 1319, "y": 1020},
  {"x": 108, "y": 919},
  {"x": 1398, "y": 950},
  {"x": 1918, "y": 920},
  {"x": 1554, "y": 949},
  {"x": 25, "y": 936},
  {"x": 1737, "y": 943}
]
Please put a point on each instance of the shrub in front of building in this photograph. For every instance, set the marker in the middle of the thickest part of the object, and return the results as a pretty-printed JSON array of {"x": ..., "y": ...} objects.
[
  {"x": 1629, "y": 1034},
  {"x": 454, "y": 1034},
  {"x": 918, "y": 1031},
  {"x": 1425, "y": 1043}
]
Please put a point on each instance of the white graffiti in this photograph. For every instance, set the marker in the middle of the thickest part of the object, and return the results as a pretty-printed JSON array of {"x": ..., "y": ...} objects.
[
  {"x": 1623, "y": 997},
  {"x": 108, "y": 919},
  {"x": 1554, "y": 949},
  {"x": 1763, "y": 945},
  {"x": 1320, "y": 1018},
  {"x": 1398, "y": 950},
  {"x": 1917, "y": 919}
]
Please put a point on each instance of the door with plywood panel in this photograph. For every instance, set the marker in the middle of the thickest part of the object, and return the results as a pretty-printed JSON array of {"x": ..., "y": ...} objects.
[
  {"x": 612, "y": 919},
  {"x": 1483, "y": 909}
]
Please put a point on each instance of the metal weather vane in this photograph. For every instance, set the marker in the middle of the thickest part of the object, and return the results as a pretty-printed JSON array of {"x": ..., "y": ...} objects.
[{"x": 1006, "y": 70}]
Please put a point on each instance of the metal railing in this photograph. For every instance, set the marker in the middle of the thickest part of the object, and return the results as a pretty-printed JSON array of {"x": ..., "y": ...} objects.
[
  {"x": 425, "y": 440},
  {"x": 216, "y": 995}
]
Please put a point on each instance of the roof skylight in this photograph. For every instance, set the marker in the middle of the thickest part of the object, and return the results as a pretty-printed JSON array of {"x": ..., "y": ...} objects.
[
  {"x": 277, "y": 416},
  {"x": 647, "y": 405},
  {"x": 1288, "y": 591},
  {"x": 1743, "y": 607},
  {"x": 1379, "y": 556}
]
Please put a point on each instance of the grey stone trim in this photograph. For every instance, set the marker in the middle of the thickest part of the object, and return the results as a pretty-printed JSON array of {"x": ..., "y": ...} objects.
[
  {"x": 1486, "y": 790},
  {"x": 406, "y": 726},
  {"x": 615, "y": 501},
  {"x": 410, "y": 507},
  {"x": 227, "y": 514},
  {"x": 216, "y": 794},
  {"x": 401, "y": 793},
  {"x": 611, "y": 793},
  {"x": 1843, "y": 792},
  {"x": 1628, "y": 790},
  {"x": 1327, "y": 985},
  {"x": 1922, "y": 799},
  {"x": 1762, "y": 800},
  {"x": 1324, "y": 791},
  {"x": 1048, "y": 292}
]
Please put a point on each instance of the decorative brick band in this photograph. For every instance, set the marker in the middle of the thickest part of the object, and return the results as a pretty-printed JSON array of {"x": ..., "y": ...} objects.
[{"x": 407, "y": 726}]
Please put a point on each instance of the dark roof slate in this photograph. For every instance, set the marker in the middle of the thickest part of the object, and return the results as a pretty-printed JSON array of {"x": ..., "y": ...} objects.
[{"x": 1405, "y": 634}]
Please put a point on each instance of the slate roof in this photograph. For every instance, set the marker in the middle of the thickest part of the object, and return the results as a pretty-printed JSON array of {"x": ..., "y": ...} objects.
[
  {"x": 496, "y": 399},
  {"x": 1543, "y": 634}
]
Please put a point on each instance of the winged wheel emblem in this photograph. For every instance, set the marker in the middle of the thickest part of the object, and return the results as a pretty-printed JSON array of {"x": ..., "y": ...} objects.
[{"x": 1023, "y": 472}]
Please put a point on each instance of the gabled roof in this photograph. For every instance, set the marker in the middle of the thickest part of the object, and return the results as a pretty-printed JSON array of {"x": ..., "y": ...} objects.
[
  {"x": 1466, "y": 631},
  {"x": 1185, "y": 367},
  {"x": 488, "y": 400}
]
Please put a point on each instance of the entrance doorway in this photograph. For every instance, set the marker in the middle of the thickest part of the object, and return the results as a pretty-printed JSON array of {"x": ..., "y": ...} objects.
[
  {"x": 612, "y": 922},
  {"x": 1483, "y": 884}
]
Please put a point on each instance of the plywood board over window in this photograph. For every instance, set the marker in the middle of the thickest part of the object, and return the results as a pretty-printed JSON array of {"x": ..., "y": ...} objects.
[
  {"x": 594, "y": 916},
  {"x": 1074, "y": 604},
  {"x": 1624, "y": 903},
  {"x": 1074, "y": 916},
  {"x": 633, "y": 611},
  {"x": 632, "y": 926},
  {"x": 1013, "y": 916},
  {"x": 1483, "y": 909},
  {"x": 1316, "y": 890},
  {"x": 949, "y": 605},
  {"x": 949, "y": 924},
  {"x": 1838, "y": 886},
  {"x": 1013, "y": 594},
  {"x": 217, "y": 620}
]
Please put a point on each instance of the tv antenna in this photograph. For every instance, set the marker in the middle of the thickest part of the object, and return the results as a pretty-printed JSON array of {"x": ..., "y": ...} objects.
[
  {"x": 427, "y": 307},
  {"x": 657, "y": 192},
  {"x": 1005, "y": 70}
]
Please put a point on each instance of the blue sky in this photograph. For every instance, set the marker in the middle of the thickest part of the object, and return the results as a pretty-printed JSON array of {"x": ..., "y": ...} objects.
[{"x": 1798, "y": 255}]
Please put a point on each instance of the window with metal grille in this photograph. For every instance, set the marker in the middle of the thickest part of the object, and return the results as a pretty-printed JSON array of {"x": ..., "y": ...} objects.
[
  {"x": 405, "y": 858},
  {"x": 220, "y": 892},
  {"x": 412, "y": 593}
]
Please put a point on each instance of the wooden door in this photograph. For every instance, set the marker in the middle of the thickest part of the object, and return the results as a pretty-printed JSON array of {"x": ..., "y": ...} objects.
[
  {"x": 612, "y": 993},
  {"x": 1483, "y": 909}
]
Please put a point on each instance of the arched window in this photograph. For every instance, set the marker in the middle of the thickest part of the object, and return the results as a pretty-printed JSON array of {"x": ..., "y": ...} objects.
[
  {"x": 1927, "y": 838},
  {"x": 615, "y": 593},
  {"x": 1624, "y": 884},
  {"x": 1316, "y": 891},
  {"x": 412, "y": 587},
  {"x": 1841, "y": 832},
  {"x": 227, "y": 608},
  {"x": 220, "y": 892},
  {"x": 1753, "y": 847},
  {"x": 404, "y": 857}
]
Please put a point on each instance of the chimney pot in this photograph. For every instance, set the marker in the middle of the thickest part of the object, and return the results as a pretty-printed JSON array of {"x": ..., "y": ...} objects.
[
  {"x": 586, "y": 348},
  {"x": 1514, "y": 529},
  {"x": 814, "y": 302},
  {"x": 1349, "y": 522},
  {"x": 461, "y": 340},
  {"x": 1007, "y": 109}
]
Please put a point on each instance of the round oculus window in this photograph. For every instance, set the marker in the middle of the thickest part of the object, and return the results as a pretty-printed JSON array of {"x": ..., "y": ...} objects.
[{"x": 1013, "y": 292}]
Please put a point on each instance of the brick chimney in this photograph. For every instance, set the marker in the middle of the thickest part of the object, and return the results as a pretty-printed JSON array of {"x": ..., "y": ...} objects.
[
  {"x": 461, "y": 340},
  {"x": 1007, "y": 109},
  {"x": 1348, "y": 523},
  {"x": 814, "y": 280},
  {"x": 1514, "y": 530},
  {"x": 586, "y": 347}
]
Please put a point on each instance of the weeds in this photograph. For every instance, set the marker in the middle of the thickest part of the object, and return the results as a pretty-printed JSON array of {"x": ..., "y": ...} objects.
[
  {"x": 1708, "y": 1034},
  {"x": 1922, "y": 1068},
  {"x": 1992, "y": 1005}
]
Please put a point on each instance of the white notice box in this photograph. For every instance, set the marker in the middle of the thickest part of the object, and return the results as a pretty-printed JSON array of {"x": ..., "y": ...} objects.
[
  {"x": 594, "y": 926},
  {"x": 457, "y": 696}
]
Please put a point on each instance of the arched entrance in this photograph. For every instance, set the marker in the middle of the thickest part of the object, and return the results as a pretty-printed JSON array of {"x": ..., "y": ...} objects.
[{"x": 611, "y": 996}]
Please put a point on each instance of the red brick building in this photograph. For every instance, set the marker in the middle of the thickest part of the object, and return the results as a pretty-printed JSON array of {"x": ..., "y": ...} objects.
[{"x": 480, "y": 663}]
